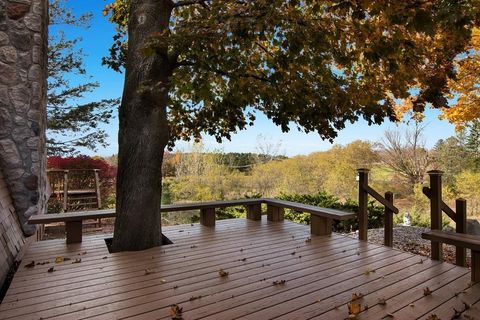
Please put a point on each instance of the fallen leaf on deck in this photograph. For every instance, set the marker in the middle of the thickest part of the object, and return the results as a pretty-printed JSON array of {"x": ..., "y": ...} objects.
[
  {"x": 148, "y": 271},
  {"x": 176, "y": 312},
  {"x": 308, "y": 240},
  {"x": 50, "y": 270},
  {"x": 421, "y": 261},
  {"x": 193, "y": 246},
  {"x": 389, "y": 315},
  {"x": 427, "y": 291},
  {"x": 77, "y": 260},
  {"x": 241, "y": 249},
  {"x": 194, "y": 298},
  {"x": 354, "y": 308},
  {"x": 30, "y": 265},
  {"x": 223, "y": 273},
  {"x": 433, "y": 317},
  {"x": 382, "y": 301},
  {"x": 180, "y": 230},
  {"x": 106, "y": 257},
  {"x": 175, "y": 287},
  {"x": 293, "y": 253},
  {"x": 368, "y": 271},
  {"x": 279, "y": 282},
  {"x": 244, "y": 259},
  {"x": 58, "y": 259},
  {"x": 356, "y": 296}
]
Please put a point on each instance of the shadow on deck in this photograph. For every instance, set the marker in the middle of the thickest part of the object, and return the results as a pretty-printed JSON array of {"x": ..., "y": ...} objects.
[{"x": 321, "y": 273}]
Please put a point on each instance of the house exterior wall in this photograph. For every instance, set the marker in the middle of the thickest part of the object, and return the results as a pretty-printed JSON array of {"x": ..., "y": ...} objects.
[{"x": 23, "y": 74}]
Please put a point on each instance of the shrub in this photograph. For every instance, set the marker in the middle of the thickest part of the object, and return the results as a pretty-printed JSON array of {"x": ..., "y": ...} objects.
[{"x": 107, "y": 172}]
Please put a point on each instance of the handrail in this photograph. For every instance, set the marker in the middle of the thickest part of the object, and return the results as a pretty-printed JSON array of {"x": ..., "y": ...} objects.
[
  {"x": 445, "y": 208},
  {"x": 437, "y": 206},
  {"x": 364, "y": 190}
]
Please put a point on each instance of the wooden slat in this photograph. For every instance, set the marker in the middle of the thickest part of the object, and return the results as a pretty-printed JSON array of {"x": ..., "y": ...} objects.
[
  {"x": 456, "y": 239},
  {"x": 325, "y": 212}
]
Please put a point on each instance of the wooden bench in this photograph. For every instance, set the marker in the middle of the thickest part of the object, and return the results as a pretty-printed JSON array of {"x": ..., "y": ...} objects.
[
  {"x": 462, "y": 240},
  {"x": 321, "y": 218}
]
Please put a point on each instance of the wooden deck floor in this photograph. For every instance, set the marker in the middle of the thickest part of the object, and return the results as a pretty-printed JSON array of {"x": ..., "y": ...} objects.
[{"x": 320, "y": 277}]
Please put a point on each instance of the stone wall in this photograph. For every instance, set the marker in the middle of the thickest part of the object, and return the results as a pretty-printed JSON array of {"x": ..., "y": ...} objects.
[
  {"x": 11, "y": 236},
  {"x": 23, "y": 43}
]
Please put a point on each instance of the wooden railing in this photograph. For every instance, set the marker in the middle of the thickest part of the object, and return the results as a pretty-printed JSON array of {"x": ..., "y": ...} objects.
[
  {"x": 437, "y": 206},
  {"x": 364, "y": 190},
  {"x": 76, "y": 189},
  {"x": 321, "y": 222}
]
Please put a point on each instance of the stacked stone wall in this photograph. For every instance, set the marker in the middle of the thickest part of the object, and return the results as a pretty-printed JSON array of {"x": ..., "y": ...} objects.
[{"x": 23, "y": 39}]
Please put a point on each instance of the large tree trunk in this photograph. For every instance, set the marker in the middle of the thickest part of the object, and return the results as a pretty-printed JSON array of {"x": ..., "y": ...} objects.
[{"x": 143, "y": 132}]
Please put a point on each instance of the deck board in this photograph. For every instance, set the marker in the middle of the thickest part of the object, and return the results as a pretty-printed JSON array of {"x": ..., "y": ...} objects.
[{"x": 321, "y": 274}]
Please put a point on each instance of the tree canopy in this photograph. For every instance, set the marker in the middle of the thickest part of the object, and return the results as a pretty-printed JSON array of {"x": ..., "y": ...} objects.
[
  {"x": 71, "y": 124},
  {"x": 315, "y": 64}
]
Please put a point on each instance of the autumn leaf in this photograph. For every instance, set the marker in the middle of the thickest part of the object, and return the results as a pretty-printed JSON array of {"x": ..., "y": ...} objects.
[
  {"x": 223, "y": 273},
  {"x": 78, "y": 260},
  {"x": 50, "y": 270},
  {"x": 354, "y": 308},
  {"x": 176, "y": 312},
  {"x": 279, "y": 282},
  {"x": 58, "y": 259},
  {"x": 382, "y": 301},
  {"x": 308, "y": 240},
  {"x": 194, "y": 298},
  {"x": 148, "y": 271},
  {"x": 433, "y": 317},
  {"x": 368, "y": 271},
  {"x": 427, "y": 291},
  {"x": 356, "y": 296},
  {"x": 30, "y": 265}
]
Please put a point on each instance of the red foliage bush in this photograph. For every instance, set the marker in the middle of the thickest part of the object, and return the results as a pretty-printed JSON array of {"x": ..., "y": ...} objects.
[{"x": 107, "y": 172}]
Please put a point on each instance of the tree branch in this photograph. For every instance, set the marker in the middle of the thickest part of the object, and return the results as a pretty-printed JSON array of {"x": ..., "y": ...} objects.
[{"x": 189, "y": 3}]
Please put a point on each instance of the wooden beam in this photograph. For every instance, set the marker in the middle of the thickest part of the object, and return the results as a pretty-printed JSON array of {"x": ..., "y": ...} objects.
[
  {"x": 73, "y": 230},
  {"x": 461, "y": 227},
  {"x": 254, "y": 212},
  {"x": 380, "y": 199},
  {"x": 445, "y": 207},
  {"x": 388, "y": 229},
  {"x": 275, "y": 213},
  {"x": 207, "y": 217},
  {"x": 436, "y": 211},
  {"x": 363, "y": 204},
  {"x": 320, "y": 226}
]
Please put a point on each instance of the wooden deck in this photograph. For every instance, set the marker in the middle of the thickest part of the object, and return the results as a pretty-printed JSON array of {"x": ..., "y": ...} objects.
[{"x": 320, "y": 276}]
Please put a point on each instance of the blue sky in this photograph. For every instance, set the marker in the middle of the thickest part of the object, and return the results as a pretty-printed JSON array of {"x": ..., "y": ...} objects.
[{"x": 98, "y": 38}]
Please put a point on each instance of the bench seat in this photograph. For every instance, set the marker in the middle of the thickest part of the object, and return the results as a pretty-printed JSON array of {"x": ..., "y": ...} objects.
[
  {"x": 468, "y": 241},
  {"x": 321, "y": 218}
]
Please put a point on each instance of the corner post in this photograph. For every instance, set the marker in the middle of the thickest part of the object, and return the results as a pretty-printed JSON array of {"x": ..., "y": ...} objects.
[
  {"x": 388, "y": 236},
  {"x": 460, "y": 227},
  {"x": 436, "y": 210},
  {"x": 362, "y": 204}
]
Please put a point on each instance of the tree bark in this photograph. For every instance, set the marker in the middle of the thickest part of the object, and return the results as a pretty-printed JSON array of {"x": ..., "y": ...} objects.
[{"x": 143, "y": 132}]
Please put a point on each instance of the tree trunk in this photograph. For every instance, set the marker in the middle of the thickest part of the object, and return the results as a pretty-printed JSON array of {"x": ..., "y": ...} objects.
[{"x": 143, "y": 132}]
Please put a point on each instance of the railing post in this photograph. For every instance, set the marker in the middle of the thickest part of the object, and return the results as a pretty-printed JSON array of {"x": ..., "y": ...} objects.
[
  {"x": 254, "y": 212},
  {"x": 65, "y": 190},
  {"x": 461, "y": 227},
  {"x": 207, "y": 217},
  {"x": 436, "y": 210},
  {"x": 97, "y": 188},
  {"x": 388, "y": 229},
  {"x": 275, "y": 213},
  {"x": 362, "y": 204}
]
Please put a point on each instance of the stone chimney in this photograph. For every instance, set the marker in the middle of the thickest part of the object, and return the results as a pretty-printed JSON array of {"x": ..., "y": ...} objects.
[{"x": 23, "y": 74}]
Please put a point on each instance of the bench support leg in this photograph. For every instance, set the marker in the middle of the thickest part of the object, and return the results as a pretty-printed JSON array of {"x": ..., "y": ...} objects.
[
  {"x": 254, "y": 212},
  {"x": 320, "y": 226},
  {"x": 74, "y": 231},
  {"x": 207, "y": 217},
  {"x": 274, "y": 213},
  {"x": 475, "y": 266}
]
